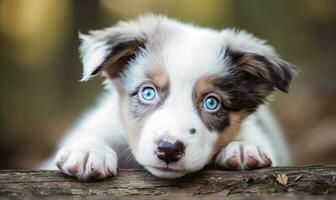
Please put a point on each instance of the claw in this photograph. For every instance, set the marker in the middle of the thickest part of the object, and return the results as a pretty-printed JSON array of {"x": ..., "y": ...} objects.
[
  {"x": 60, "y": 163},
  {"x": 94, "y": 172},
  {"x": 267, "y": 160},
  {"x": 109, "y": 173}
]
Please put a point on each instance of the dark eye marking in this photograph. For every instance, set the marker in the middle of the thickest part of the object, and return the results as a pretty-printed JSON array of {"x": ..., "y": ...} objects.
[
  {"x": 216, "y": 121},
  {"x": 246, "y": 92},
  {"x": 210, "y": 104}
]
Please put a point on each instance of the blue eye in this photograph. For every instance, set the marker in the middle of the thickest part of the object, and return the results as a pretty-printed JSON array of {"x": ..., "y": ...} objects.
[
  {"x": 211, "y": 104},
  {"x": 148, "y": 94}
]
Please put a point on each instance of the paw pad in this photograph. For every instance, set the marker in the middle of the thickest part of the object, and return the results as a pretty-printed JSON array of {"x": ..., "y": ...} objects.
[
  {"x": 87, "y": 161},
  {"x": 251, "y": 161},
  {"x": 242, "y": 156},
  {"x": 233, "y": 162},
  {"x": 74, "y": 169}
]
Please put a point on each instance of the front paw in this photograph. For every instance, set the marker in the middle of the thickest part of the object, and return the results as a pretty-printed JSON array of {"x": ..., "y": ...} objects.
[
  {"x": 243, "y": 156},
  {"x": 87, "y": 161}
]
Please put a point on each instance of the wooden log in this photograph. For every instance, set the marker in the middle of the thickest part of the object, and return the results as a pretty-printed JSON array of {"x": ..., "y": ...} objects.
[{"x": 311, "y": 182}]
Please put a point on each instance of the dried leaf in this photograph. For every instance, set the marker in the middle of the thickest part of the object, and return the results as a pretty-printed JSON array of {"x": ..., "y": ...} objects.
[{"x": 282, "y": 179}]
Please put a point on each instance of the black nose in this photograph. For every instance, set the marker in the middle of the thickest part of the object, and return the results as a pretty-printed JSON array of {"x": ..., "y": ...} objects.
[{"x": 169, "y": 151}]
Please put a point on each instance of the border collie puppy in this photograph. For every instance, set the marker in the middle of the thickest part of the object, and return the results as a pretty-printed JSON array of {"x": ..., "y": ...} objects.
[{"x": 178, "y": 97}]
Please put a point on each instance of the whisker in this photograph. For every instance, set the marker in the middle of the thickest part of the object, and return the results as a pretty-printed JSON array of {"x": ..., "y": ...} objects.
[
  {"x": 146, "y": 173},
  {"x": 129, "y": 158},
  {"x": 123, "y": 154}
]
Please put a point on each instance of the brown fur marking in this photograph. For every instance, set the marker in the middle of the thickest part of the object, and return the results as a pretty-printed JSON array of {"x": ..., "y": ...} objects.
[
  {"x": 158, "y": 76},
  {"x": 135, "y": 121},
  {"x": 231, "y": 132},
  {"x": 219, "y": 120}
]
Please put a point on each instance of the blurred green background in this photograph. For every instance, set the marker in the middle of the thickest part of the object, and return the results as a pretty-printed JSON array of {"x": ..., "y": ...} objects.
[{"x": 41, "y": 96}]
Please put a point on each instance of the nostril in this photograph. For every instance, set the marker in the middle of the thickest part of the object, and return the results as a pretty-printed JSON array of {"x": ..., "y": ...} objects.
[
  {"x": 179, "y": 147},
  {"x": 192, "y": 130}
]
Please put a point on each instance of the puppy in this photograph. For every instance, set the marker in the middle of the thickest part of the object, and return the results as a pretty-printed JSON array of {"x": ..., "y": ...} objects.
[{"x": 178, "y": 97}]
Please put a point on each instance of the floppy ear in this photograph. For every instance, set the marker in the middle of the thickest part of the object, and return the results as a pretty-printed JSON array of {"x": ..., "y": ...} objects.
[
  {"x": 109, "y": 53},
  {"x": 246, "y": 53},
  {"x": 254, "y": 70},
  {"x": 109, "y": 50}
]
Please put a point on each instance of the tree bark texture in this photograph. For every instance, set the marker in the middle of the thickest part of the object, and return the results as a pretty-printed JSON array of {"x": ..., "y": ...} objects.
[{"x": 307, "y": 182}]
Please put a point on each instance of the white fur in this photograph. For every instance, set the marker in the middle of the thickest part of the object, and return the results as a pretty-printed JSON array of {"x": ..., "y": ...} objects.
[{"x": 186, "y": 54}]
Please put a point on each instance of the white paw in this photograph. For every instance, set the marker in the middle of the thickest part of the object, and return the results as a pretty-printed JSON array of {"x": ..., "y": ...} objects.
[
  {"x": 243, "y": 156},
  {"x": 87, "y": 161}
]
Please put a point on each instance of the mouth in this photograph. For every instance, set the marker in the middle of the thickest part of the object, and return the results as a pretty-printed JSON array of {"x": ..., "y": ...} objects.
[
  {"x": 166, "y": 169},
  {"x": 166, "y": 172}
]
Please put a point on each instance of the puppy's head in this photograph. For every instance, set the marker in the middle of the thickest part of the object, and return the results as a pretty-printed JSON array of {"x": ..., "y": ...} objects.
[{"x": 184, "y": 90}]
